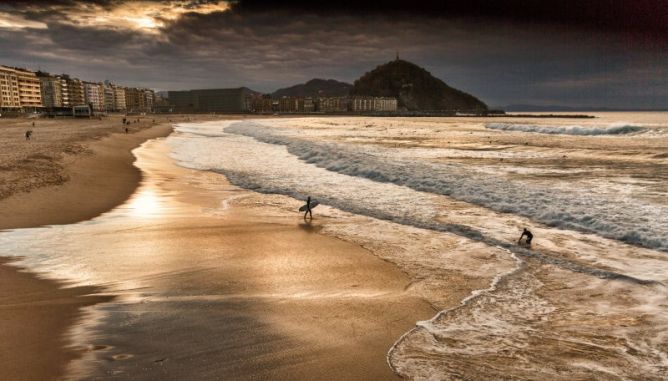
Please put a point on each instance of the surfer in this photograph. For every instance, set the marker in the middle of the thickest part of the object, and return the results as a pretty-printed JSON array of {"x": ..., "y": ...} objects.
[
  {"x": 527, "y": 233},
  {"x": 308, "y": 208}
]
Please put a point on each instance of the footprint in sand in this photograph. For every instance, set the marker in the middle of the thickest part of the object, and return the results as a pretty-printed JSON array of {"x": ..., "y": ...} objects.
[
  {"x": 122, "y": 356},
  {"x": 99, "y": 347}
]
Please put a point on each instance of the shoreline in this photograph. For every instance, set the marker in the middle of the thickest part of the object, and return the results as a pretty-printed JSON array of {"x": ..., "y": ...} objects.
[
  {"x": 37, "y": 313},
  {"x": 98, "y": 181},
  {"x": 113, "y": 161}
]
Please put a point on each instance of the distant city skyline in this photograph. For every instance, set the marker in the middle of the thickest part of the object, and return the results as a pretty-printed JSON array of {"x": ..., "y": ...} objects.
[{"x": 558, "y": 53}]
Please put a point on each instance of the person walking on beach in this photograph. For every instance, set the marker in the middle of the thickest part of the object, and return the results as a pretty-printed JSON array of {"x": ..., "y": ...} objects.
[
  {"x": 527, "y": 233},
  {"x": 308, "y": 208},
  {"x": 28, "y": 134}
]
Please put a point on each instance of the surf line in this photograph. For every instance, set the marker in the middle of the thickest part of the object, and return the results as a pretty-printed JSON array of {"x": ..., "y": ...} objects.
[
  {"x": 241, "y": 180},
  {"x": 520, "y": 265}
]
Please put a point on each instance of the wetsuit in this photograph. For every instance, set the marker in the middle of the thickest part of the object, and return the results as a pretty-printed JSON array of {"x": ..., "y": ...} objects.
[
  {"x": 529, "y": 236},
  {"x": 308, "y": 208}
]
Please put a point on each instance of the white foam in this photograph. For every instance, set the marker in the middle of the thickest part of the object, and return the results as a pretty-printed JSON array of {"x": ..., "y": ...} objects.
[
  {"x": 613, "y": 214},
  {"x": 613, "y": 129}
]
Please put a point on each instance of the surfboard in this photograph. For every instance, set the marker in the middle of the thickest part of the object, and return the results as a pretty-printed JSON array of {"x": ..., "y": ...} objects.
[{"x": 314, "y": 203}]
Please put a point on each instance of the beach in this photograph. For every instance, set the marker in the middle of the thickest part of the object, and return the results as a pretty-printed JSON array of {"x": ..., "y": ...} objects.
[
  {"x": 43, "y": 183},
  {"x": 331, "y": 309},
  {"x": 193, "y": 261}
]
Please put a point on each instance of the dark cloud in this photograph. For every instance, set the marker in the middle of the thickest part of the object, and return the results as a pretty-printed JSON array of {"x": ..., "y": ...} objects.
[
  {"x": 649, "y": 17},
  {"x": 502, "y": 57}
]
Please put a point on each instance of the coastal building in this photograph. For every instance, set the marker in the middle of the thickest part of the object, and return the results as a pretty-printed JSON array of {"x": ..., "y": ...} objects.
[
  {"x": 307, "y": 105},
  {"x": 109, "y": 97},
  {"x": 51, "y": 89},
  {"x": 149, "y": 99},
  {"x": 288, "y": 104},
  {"x": 361, "y": 104},
  {"x": 119, "y": 98},
  {"x": 10, "y": 99},
  {"x": 30, "y": 94},
  {"x": 296, "y": 105},
  {"x": 364, "y": 104},
  {"x": 261, "y": 104},
  {"x": 134, "y": 100},
  {"x": 72, "y": 91},
  {"x": 210, "y": 100},
  {"x": 333, "y": 104},
  {"x": 384, "y": 104},
  {"x": 94, "y": 95},
  {"x": 19, "y": 90}
]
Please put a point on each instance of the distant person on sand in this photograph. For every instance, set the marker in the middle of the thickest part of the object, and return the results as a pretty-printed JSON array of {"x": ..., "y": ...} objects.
[
  {"x": 308, "y": 208},
  {"x": 527, "y": 233},
  {"x": 28, "y": 134},
  {"x": 126, "y": 130}
]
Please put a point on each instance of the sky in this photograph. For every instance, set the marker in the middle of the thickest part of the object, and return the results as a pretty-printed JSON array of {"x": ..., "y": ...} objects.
[{"x": 607, "y": 53}]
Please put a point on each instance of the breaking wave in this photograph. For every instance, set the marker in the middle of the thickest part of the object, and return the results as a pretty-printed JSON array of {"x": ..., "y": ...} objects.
[
  {"x": 615, "y": 129},
  {"x": 627, "y": 220}
]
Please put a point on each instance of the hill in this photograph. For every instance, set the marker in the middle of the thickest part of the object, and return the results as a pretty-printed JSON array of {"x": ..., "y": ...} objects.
[
  {"x": 315, "y": 88},
  {"x": 415, "y": 88}
]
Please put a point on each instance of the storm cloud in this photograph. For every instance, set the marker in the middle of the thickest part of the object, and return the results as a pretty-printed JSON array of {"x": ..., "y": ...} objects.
[{"x": 566, "y": 56}]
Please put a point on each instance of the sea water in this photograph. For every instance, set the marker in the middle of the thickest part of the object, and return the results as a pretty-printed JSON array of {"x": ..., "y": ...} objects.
[{"x": 446, "y": 199}]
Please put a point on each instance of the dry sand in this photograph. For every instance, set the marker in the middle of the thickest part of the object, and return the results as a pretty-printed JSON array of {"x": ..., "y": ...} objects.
[{"x": 354, "y": 308}]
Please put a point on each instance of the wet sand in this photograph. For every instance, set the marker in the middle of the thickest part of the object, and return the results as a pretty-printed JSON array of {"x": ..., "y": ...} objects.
[
  {"x": 239, "y": 295},
  {"x": 35, "y": 315},
  {"x": 71, "y": 170}
]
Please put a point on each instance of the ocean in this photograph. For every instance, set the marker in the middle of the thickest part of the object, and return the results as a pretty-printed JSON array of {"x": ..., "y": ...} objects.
[{"x": 446, "y": 200}]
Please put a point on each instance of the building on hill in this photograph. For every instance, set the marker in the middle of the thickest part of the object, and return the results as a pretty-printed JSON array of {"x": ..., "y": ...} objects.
[{"x": 210, "y": 100}]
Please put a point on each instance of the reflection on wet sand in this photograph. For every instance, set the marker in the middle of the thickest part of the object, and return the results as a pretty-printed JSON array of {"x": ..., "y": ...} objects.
[
  {"x": 446, "y": 199},
  {"x": 206, "y": 291}
]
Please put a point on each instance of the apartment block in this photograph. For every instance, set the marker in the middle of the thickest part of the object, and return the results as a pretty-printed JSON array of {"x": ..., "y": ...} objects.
[
  {"x": 10, "y": 98},
  {"x": 30, "y": 93},
  {"x": 94, "y": 95},
  {"x": 119, "y": 98},
  {"x": 333, "y": 104},
  {"x": 72, "y": 90},
  {"x": 51, "y": 89}
]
